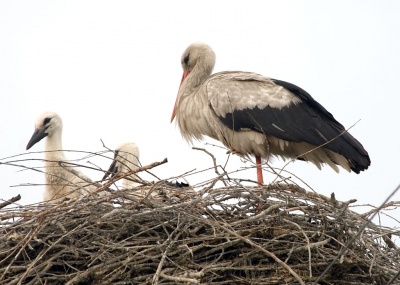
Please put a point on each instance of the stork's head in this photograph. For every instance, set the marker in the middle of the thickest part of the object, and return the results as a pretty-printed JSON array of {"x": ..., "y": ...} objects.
[
  {"x": 198, "y": 55},
  {"x": 46, "y": 125},
  {"x": 199, "y": 58},
  {"x": 126, "y": 158}
]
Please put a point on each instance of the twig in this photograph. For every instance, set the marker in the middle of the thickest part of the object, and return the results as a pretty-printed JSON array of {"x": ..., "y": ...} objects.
[
  {"x": 343, "y": 249},
  {"x": 390, "y": 204},
  {"x": 270, "y": 254},
  {"x": 308, "y": 245},
  {"x": 179, "y": 279},
  {"x": 10, "y": 201},
  {"x": 164, "y": 254},
  {"x": 122, "y": 175},
  {"x": 214, "y": 162}
]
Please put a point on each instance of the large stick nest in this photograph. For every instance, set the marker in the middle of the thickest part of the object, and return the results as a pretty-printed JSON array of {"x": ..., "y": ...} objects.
[{"x": 275, "y": 234}]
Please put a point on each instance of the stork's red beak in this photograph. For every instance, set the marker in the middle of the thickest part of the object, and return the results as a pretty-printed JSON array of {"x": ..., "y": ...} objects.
[{"x": 185, "y": 74}]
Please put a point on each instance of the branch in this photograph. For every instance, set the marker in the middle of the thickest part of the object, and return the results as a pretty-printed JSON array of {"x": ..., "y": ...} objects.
[
  {"x": 122, "y": 175},
  {"x": 12, "y": 200},
  {"x": 343, "y": 249},
  {"x": 214, "y": 162}
]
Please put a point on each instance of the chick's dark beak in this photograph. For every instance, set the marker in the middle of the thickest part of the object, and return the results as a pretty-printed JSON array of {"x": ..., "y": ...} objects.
[{"x": 37, "y": 136}]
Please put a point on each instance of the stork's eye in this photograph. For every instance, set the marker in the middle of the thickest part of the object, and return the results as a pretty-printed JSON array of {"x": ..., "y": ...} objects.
[
  {"x": 186, "y": 59},
  {"x": 46, "y": 121}
]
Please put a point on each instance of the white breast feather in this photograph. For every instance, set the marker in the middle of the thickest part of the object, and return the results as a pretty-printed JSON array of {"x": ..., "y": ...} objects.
[{"x": 195, "y": 118}]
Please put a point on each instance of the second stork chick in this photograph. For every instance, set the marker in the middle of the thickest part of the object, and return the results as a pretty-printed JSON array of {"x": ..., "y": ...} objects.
[{"x": 126, "y": 158}]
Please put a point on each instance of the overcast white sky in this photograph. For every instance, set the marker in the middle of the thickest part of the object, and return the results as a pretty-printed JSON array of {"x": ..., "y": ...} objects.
[{"x": 111, "y": 69}]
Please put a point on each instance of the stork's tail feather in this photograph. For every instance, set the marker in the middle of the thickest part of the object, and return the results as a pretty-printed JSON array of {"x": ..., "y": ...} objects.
[
  {"x": 356, "y": 155},
  {"x": 361, "y": 164}
]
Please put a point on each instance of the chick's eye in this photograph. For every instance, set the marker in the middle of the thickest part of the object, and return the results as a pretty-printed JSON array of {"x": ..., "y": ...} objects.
[
  {"x": 186, "y": 59},
  {"x": 46, "y": 121}
]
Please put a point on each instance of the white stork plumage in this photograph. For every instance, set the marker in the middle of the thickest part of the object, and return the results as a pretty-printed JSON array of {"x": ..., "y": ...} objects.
[
  {"x": 253, "y": 114},
  {"x": 60, "y": 183},
  {"x": 126, "y": 158}
]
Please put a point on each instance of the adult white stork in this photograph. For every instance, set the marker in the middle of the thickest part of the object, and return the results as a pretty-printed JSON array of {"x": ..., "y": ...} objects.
[
  {"x": 60, "y": 183},
  {"x": 126, "y": 158},
  {"x": 253, "y": 114}
]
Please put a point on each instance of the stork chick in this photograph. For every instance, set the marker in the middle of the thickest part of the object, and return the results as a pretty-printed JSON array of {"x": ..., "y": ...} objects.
[
  {"x": 60, "y": 183},
  {"x": 126, "y": 158}
]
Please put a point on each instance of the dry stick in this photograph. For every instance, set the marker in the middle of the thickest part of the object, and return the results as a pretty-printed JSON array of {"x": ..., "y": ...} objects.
[
  {"x": 120, "y": 211},
  {"x": 60, "y": 163},
  {"x": 242, "y": 157},
  {"x": 39, "y": 257},
  {"x": 150, "y": 191},
  {"x": 164, "y": 254},
  {"x": 205, "y": 190},
  {"x": 47, "y": 266},
  {"x": 79, "y": 175},
  {"x": 260, "y": 215},
  {"x": 387, "y": 239},
  {"x": 88, "y": 180},
  {"x": 270, "y": 254},
  {"x": 83, "y": 275},
  {"x": 343, "y": 249},
  {"x": 12, "y": 200},
  {"x": 8, "y": 163},
  {"x": 88, "y": 154},
  {"x": 51, "y": 151},
  {"x": 308, "y": 244},
  {"x": 214, "y": 162},
  {"x": 294, "y": 175},
  {"x": 391, "y": 203},
  {"x": 372, "y": 264},
  {"x": 180, "y": 279},
  {"x": 122, "y": 175},
  {"x": 287, "y": 267},
  {"x": 394, "y": 278},
  {"x": 28, "y": 239}
]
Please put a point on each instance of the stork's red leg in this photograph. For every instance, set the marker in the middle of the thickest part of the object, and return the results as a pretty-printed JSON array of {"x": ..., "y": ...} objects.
[{"x": 260, "y": 178}]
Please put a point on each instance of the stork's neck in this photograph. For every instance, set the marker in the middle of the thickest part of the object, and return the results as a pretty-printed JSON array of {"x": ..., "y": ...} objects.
[
  {"x": 54, "y": 147},
  {"x": 196, "y": 78}
]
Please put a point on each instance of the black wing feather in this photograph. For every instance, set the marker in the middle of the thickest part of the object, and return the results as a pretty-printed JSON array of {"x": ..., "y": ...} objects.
[{"x": 307, "y": 121}]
